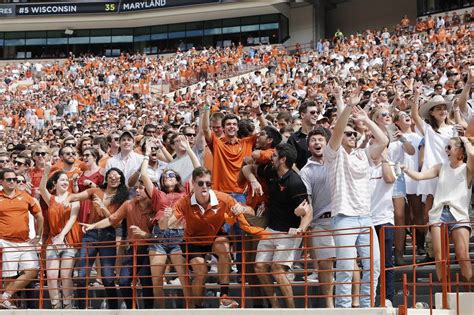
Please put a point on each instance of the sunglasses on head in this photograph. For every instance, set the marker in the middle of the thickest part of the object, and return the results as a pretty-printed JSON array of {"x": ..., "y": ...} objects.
[
  {"x": 202, "y": 183},
  {"x": 351, "y": 134},
  {"x": 40, "y": 153},
  {"x": 10, "y": 180}
]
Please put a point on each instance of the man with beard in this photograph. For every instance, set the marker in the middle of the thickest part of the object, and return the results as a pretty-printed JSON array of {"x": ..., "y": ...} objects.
[
  {"x": 68, "y": 162},
  {"x": 205, "y": 211},
  {"x": 289, "y": 215},
  {"x": 309, "y": 114}
]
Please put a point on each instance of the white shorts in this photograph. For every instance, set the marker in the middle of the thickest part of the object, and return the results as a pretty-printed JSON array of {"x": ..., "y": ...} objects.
[
  {"x": 278, "y": 248},
  {"x": 322, "y": 240},
  {"x": 17, "y": 257}
]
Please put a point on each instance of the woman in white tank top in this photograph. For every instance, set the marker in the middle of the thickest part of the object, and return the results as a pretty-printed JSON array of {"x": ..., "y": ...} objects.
[{"x": 451, "y": 200}]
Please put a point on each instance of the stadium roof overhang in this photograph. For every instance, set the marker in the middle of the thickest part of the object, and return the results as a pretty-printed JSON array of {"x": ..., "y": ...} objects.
[{"x": 225, "y": 9}]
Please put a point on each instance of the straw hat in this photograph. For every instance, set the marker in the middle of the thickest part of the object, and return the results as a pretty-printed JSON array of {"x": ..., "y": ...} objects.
[{"x": 435, "y": 101}]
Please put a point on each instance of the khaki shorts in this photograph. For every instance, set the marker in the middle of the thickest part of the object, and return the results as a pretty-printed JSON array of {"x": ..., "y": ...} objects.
[
  {"x": 17, "y": 257},
  {"x": 323, "y": 240},
  {"x": 278, "y": 248}
]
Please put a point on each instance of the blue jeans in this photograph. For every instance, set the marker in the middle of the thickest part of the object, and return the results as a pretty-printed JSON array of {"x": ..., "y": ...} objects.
[
  {"x": 237, "y": 243},
  {"x": 142, "y": 271},
  {"x": 389, "y": 274},
  {"x": 346, "y": 253},
  {"x": 87, "y": 256}
]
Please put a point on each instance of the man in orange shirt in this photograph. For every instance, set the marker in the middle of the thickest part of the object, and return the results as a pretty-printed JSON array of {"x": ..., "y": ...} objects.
[
  {"x": 205, "y": 212},
  {"x": 19, "y": 260}
]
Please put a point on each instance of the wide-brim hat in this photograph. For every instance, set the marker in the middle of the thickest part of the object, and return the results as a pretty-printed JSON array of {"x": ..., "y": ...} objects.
[{"x": 435, "y": 101}]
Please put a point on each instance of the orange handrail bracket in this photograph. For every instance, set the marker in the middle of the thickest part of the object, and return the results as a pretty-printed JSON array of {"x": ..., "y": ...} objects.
[
  {"x": 413, "y": 241},
  {"x": 431, "y": 294},
  {"x": 242, "y": 288},
  {"x": 383, "y": 289},
  {"x": 371, "y": 248},
  {"x": 405, "y": 293},
  {"x": 457, "y": 293},
  {"x": 305, "y": 255},
  {"x": 134, "y": 274},
  {"x": 444, "y": 284},
  {"x": 41, "y": 280},
  {"x": 87, "y": 274}
]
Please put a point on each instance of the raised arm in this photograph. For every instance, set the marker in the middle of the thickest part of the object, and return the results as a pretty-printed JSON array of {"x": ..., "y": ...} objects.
[
  {"x": 465, "y": 91},
  {"x": 430, "y": 173},
  {"x": 415, "y": 115},
  {"x": 206, "y": 130},
  {"x": 44, "y": 180},
  {"x": 470, "y": 159},
  {"x": 341, "y": 123},
  {"x": 190, "y": 152},
  {"x": 144, "y": 175},
  {"x": 381, "y": 140}
]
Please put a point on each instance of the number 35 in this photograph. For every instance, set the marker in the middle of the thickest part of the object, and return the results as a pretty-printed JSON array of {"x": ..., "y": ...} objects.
[{"x": 109, "y": 7}]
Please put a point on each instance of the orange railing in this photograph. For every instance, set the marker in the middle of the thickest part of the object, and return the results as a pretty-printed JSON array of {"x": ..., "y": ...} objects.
[
  {"x": 304, "y": 295},
  {"x": 445, "y": 261}
]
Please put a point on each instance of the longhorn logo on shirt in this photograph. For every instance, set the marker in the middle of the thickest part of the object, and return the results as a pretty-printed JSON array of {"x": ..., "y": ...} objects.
[{"x": 282, "y": 188}]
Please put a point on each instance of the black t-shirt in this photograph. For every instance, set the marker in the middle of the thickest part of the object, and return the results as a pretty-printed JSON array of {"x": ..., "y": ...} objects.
[
  {"x": 285, "y": 195},
  {"x": 298, "y": 141}
]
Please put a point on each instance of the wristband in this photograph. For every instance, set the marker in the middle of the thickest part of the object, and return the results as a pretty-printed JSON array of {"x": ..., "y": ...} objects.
[{"x": 403, "y": 139}]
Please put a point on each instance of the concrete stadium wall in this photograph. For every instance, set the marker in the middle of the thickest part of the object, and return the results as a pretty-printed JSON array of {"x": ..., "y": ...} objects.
[
  {"x": 321, "y": 311},
  {"x": 359, "y": 15},
  {"x": 301, "y": 25}
]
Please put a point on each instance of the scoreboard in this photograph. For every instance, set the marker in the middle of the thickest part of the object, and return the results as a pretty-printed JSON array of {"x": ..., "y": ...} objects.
[{"x": 86, "y": 7}]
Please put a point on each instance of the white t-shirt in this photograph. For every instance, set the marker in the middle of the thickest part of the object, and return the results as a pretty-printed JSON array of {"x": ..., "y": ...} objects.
[{"x": 381, "y": 205}]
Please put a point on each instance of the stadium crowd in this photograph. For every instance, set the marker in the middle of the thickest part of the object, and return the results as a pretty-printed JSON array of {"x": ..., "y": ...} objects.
[{"x": 360, "y": 131}]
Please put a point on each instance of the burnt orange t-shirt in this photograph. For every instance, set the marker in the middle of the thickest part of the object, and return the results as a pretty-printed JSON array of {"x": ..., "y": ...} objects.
[
  {"x": 58, "y": 216},
  {"x": 136, "y": 215},
  {"x": 14, "y": 216},
  {"x": 96, "y": 215},
  {"x": 203, "y": 226},
  {"x": 227, "y": 159}
]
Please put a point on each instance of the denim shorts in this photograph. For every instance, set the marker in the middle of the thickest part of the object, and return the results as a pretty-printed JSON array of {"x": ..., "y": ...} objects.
[
  {"x": 167, "y": 241},
  {"x": 447, "y": 216},
  {"x": 399, "y": 187},
  {"x": 60, "y": 251}
]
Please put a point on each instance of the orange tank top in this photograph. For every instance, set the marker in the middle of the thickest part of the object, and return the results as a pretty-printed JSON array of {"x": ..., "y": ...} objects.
[{"x": 58, "y": 216}]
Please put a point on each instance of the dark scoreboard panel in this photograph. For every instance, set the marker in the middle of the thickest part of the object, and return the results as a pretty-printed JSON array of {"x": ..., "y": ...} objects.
[{"x": 86, "y": 7}]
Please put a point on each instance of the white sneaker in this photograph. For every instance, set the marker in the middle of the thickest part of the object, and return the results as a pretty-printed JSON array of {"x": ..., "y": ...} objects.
[
  {"x": 175, "y": 281},
  {"x": 312, "y": 277},
  {"x": 290, "y": 276},
  {"x": 8, "y": 305},
  {"x": 388, "y": 304}
]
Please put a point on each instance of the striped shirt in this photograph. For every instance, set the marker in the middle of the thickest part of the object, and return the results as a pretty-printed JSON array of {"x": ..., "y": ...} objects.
[{"x": 349, "y": 175}]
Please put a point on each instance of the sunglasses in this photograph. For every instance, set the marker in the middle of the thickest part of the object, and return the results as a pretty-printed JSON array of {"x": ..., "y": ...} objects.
[
  {"x": 21, "y": 181},
  {"x": 69, "y": 153},
  {"x": 40, "y": 153},
  {"x": 18, "y": 163},
  {"x": 116, "y": 139},
  {"x": 448, "y": 147},
  {"x": 10, "y": 180},
  {"x": 170, "y": 175},
  {"x": 351, "y": 134},
  {"x": 4, "y": 161},
  {"x": 190, "y": 135},
  {"x": 314, "y": 112},
  {"x": 201, "y": 183},
  {"x": 70, "y": 144},
  {"x": 385, "y": 114}
]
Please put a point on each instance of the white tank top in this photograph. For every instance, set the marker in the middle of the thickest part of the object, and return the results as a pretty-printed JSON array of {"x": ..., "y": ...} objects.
[{"x": 452, "y": 190}]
